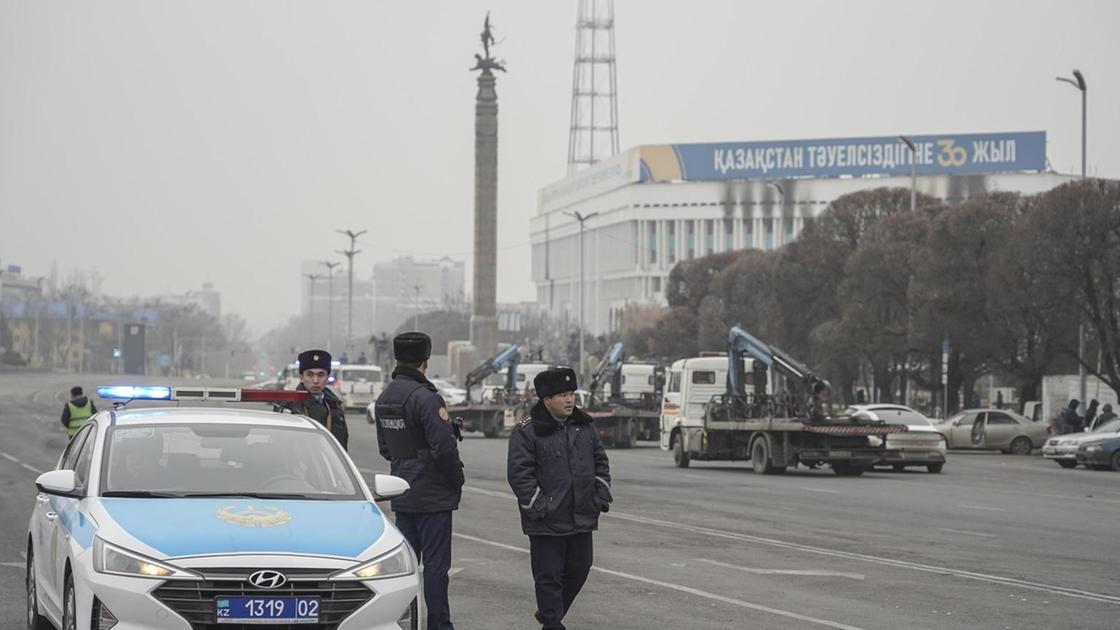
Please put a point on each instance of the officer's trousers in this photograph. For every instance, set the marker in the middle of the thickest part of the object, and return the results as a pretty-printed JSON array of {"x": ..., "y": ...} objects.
[
  {"x": 560, "y": 567},
  {"x": 429, "y": 534}
]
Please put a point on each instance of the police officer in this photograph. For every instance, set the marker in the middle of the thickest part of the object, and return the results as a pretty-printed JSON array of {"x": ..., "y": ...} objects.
[
  {"x": 415, "y": 433},
  {"x": 322, "y": 404},
  {"x": 559, "y": 471},
  {"x": 77, "y": 411}
]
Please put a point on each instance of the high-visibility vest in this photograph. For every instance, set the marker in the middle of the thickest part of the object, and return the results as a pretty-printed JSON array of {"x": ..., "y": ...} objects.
[{"x": 78, "y": 417}]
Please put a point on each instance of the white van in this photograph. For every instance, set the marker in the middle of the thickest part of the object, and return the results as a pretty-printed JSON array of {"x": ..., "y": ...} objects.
[{"x": 358, "y": 385}]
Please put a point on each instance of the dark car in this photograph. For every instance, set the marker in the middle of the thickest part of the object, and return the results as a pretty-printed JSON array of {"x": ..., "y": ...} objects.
[{"x": 1100, "y": 455}]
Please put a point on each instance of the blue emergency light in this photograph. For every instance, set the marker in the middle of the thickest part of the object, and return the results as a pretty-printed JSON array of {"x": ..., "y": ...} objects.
[{"x": 134, "y": 392}]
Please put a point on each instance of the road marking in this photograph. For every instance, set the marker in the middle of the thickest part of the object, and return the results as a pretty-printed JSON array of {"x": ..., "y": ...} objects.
[
  {"x": 453, "y": 571},
  {"x": 981, "y": 507},
  {"x": 966, "y": 532},
  {"x": 683, "y": 589},
  {"x": 808, "y": 572},
  {"x": 16, "y": 460},
  {"x": 16, "y": 565},
  {"x": 902, "y": 564},
  {"x": 819, "y": 490},
  {"x": 9, "y": 458}
]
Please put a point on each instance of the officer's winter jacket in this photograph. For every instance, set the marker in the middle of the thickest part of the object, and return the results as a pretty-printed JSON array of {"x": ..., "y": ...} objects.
[
  {"x": 414, "y": 433},
  {"x": 560, "y": 475},
  {"x": 329, "y": 413}
]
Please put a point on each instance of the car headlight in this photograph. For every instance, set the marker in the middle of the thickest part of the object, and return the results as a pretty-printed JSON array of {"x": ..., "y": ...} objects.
[
  {"x": 396, "y": 563},
  {"x": 1095, "y": 448},
  {"x": 109, "y": 558}
]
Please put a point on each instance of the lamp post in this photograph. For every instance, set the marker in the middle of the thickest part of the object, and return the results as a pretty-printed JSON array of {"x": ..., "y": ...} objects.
[
  {"x": 582, "y": 218},
  {"x": 311, "y": 277},
  {"x": 913, "y": 171},
  {"x": 330, "y": 300},
  {"x": 1078, "y": 81},
  {"x": 349, "y": 254}
]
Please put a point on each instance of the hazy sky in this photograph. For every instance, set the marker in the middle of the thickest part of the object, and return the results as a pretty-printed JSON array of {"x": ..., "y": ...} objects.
[{"x": 171, "y": 143}]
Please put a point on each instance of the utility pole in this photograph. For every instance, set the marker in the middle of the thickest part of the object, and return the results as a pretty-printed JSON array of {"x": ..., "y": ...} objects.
[
  {"x": 582, "y": 218},
  {"x": 349, "y": 254},
  {"x": 311, "y": 277},
  {"x": 1078, "y": 81},
  {"x": 913, "y": 172},
  {"x": 330, "y": 301}
]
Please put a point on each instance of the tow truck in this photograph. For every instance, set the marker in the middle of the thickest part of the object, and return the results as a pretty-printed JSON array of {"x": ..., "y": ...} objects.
[
  {"x": 709, "y": 414},
  {"x": 622, "y": 414},
  {"x": 499, "y": 410}
]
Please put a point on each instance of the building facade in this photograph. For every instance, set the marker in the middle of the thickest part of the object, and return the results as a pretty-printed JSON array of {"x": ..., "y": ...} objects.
[
  {"x": 404, "y": 287},
  {"x": 655, "y": 206},
  {"x": 324, "y": 297}
]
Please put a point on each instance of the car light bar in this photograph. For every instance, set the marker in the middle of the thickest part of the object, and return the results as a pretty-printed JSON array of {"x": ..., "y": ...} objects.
[
  {"x": 210, "y": 394},
  {"x": 134, "y": 392}
]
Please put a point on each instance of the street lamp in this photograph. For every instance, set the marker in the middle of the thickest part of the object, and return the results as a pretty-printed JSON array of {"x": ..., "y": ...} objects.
[
  {"x": 311, "y": 277},
  {"x": 913, "y": 171},
  {"x": 330, "y": 300},
  {"x": 1078, "y": 81},
  {"x": 349, "y": 254},
  {"x": 582, "y": 218}
]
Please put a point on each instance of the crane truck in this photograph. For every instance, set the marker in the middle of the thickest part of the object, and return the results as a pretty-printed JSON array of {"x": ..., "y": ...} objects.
[
  {"x": 629, "y": 409},
  {"x": 500, "y": 408},
  {"x": 731, "y": 408}
]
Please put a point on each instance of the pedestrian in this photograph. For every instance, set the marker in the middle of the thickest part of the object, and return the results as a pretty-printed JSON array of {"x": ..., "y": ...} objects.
[
  {"x": 362, "y": 360},
  {"x": 415, "y": 433},
  {"x": 815, "y": 411},
  {"x": 1106, "y": 415},
  {"x": 1090, "y": 414},
  {"x": 1070, "y": 421},
  {"x": 76, "y": 412},
  {"x": 559, "y": 471},
  {"x": 999, "y": 400},
  {"x": 321, "y": 404}
]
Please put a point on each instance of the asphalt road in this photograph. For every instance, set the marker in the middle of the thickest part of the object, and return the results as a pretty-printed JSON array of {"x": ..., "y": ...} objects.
[{"x": 996, "y": 541}]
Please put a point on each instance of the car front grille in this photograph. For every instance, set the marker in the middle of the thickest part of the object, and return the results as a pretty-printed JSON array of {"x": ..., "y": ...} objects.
[{"x": 193, "y": 600}]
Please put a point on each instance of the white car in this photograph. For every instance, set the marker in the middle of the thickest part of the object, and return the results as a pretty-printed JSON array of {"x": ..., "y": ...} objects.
[
  {"x": 1063, "y": 448},
  {"x": 920, "y": 445},
  {"x": 452, "y": 395},
  {"x": 195, "y": 518}
]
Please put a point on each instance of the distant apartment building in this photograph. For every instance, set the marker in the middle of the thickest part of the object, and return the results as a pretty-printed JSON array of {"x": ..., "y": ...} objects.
[
  {"x": 325, "y": 297},
  {"x": 405, "y": 286}
]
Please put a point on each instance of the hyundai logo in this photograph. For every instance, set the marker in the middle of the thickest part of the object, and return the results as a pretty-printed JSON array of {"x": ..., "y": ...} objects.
[{"x": 268, "y": 579}]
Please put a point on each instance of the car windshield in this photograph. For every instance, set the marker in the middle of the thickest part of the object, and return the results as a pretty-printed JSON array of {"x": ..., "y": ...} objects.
[
  {"x": 225, "y": 460},
  {"x": 901, "y": 416},
  {"x": 1112, "y": 426},
  {"x": 359, "y": 374}
]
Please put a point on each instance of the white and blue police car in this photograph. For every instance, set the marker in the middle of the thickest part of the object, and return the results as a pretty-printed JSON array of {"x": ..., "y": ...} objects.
[{"x": 183, "y": 518}]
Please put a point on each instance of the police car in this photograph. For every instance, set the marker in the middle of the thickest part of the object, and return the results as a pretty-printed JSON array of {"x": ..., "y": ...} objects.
[{"x": 183, "y": 518}]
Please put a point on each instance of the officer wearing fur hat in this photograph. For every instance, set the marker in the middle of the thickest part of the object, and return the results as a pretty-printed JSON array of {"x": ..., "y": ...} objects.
[
  {"x": 321, "y": 404},
  {"x": 559, "y": 471},
  {"x": 415, "y": 433}
]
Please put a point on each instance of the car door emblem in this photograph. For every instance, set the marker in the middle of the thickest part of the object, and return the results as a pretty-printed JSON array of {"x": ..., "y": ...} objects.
[{"x": 268, "y": 579}]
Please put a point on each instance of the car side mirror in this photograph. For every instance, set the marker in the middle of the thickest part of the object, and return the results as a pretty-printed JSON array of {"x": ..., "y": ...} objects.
[
  {"x": 387, "y": 487},
  {"x": 57, "y": 482}
]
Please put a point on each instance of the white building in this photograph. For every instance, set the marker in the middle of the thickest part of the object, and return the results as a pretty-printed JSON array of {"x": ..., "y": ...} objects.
[
  {"x": 405, "y": 286},
  {"x": 656, "y": 205},
  {"x": 327, "y": 297}
]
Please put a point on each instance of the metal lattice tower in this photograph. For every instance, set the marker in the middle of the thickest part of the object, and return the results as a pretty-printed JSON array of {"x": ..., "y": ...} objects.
[{"x": 594, "y": 127}]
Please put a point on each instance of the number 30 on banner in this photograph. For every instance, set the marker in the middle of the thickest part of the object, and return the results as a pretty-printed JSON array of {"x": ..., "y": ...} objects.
[{"x": 951, "y": 155}]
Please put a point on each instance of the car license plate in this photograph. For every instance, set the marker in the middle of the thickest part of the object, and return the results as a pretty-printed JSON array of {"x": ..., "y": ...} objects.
[{"x": 266, "y": 609}]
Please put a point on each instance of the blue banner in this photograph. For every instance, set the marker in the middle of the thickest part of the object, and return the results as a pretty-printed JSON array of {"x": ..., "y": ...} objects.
[{"x": 889, "y": 155}]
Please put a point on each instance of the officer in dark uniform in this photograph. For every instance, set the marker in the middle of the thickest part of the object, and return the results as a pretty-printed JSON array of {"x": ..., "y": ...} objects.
[
  {"x": 415, "y": 433},
  {"x": 559, "y": 471},
  {"x": 322, "y": 404}
]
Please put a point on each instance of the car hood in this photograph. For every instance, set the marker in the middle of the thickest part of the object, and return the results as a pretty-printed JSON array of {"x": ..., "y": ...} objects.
[
  {"x": 1081, "y": 438},
  {"x": 173, "y": 528}
]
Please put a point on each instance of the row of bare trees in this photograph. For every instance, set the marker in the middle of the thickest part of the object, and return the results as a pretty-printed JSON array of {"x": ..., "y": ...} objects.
[{"x": 873, "y": 290}]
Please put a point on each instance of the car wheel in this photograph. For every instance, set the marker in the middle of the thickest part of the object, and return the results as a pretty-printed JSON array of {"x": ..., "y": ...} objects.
[
  {"x": 1020, "y": 446},
  {"x": 35, "y": 621},
  {"x": 1067, "y": 463},
  {"x": 1116, "y": 460},
  {"x": 935, "y": 468},
  {"x": 680, "y": 456},
  {"x": 70, "y": 608},
  {"x": 898, "y": 467}
]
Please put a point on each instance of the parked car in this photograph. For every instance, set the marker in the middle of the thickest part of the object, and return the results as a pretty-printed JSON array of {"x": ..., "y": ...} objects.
[
  {"x": 1102, "y": 455},
  {"x": 920, "y": 445},
  {"x": 1063, "y": 448},
  {"x": 993, "y": 429},
  {"x": 452, "y": 395}
]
